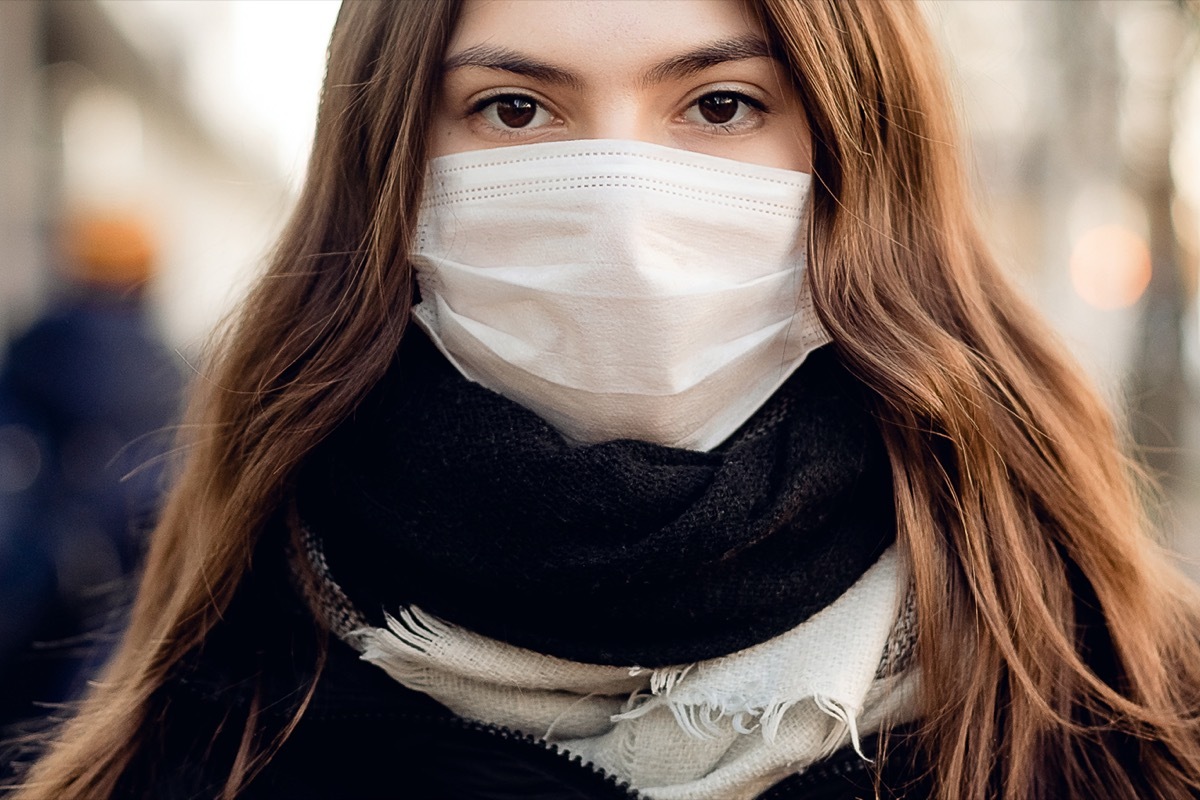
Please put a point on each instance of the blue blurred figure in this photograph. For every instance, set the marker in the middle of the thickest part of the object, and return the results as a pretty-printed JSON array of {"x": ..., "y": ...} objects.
[{"x": 87, "y": 398}]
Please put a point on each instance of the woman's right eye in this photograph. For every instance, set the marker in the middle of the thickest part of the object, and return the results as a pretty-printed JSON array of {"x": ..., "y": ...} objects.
[{"x": 513, "y": 112}]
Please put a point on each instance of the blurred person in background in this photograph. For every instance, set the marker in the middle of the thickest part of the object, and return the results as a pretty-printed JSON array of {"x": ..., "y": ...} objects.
[
  {"x": 86, "y": 395},
  {"x": 721, "y": 461}
]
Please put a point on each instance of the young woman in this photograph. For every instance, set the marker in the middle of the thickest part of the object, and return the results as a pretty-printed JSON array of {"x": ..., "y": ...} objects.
[{"x": 722, "y": 461}]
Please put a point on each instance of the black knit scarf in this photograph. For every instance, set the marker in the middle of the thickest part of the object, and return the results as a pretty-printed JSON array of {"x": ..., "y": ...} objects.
[{"x": 444, "y": 495}]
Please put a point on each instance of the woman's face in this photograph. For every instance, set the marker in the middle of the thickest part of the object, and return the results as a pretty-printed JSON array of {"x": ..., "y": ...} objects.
[{"x": 690, "y": 74}]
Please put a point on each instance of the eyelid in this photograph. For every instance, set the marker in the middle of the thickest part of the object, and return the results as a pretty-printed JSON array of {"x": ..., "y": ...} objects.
[{"x": 753, "y": 96}]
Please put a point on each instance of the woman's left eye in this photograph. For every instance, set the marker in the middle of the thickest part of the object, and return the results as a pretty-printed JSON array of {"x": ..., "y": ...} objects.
[{"x": 723, "y": 110}]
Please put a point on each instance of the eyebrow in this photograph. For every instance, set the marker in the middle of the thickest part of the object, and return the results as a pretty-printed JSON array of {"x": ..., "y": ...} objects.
[
  {"x": 501, "y": 58},
  {"x": 736, "y": 48}
]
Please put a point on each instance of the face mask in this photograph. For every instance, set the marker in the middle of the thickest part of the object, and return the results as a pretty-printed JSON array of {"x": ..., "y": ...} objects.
[{"x": 618, "y": 289}]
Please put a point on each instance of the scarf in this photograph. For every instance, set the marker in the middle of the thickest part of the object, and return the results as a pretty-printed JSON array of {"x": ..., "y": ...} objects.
[
  {"x": 723, "y": 728},
  {"x": 441, "y": 495}
]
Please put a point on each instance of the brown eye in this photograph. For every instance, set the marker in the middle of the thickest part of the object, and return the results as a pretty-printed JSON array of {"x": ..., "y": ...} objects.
[
  {"x": 509, "y": 113},
  {"x": 718, "y": 109},
  {"x": 515, "y": 111},
  {"x": 726, "y": 111}
]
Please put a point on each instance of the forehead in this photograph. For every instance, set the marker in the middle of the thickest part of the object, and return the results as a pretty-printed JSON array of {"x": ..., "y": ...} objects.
[{"x": 601, "y": 35}]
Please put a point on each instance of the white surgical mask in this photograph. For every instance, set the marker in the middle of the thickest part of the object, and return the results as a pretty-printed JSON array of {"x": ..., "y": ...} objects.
[{"x": 618, "y": 289}]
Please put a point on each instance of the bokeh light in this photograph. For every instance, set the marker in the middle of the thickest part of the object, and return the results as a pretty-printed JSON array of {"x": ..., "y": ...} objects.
[{"x": 1110, "y": 267}]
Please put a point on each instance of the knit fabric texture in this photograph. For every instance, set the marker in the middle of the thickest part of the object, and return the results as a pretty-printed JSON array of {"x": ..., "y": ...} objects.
[{"x": 443, "y": 495}]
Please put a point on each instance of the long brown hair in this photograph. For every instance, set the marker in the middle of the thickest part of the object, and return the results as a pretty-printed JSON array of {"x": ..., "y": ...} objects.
[{"x": 1016, "y": 508}]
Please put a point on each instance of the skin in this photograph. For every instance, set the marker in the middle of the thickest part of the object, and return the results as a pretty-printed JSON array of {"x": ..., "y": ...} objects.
[{"x": 689, "y": 74}]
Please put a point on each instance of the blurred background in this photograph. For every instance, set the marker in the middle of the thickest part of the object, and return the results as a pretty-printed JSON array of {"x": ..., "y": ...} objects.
[{"x": 151, "y": 149}]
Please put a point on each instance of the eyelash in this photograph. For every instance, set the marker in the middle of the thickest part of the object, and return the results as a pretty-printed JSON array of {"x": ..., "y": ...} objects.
[{"x": 479, "y": 106}]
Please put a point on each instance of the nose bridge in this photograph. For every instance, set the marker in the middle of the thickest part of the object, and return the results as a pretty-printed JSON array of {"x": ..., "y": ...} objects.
[{"x": 621, "y": 115}]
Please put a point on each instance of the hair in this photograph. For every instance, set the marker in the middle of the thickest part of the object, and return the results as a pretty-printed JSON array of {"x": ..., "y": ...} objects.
[{"x": 1016, "y": 508}]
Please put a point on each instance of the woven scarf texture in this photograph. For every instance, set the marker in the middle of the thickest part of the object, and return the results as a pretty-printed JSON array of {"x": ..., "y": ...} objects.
[{"x": 442, "y": 495}]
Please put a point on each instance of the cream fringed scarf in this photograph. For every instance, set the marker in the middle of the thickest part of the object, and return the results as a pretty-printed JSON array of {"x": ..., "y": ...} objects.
[{"x": 727, "y": 727}]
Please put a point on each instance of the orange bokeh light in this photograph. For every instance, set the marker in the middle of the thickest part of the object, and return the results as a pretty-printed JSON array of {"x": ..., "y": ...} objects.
[{"x": 1110, "y": 267}]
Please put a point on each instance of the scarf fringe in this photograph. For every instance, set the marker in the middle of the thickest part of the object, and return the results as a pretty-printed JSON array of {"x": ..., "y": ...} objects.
[
  {"x": 847, "y": 717},
  {"x": 664, "y": 679},
  {"x": 398, "y": 648},
  {"x": 411, "y": 634},
  {"x": 702, "y": 718}
]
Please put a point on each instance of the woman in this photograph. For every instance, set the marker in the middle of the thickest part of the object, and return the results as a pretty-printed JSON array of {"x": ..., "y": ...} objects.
[{"x": 918, "y": 544}]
